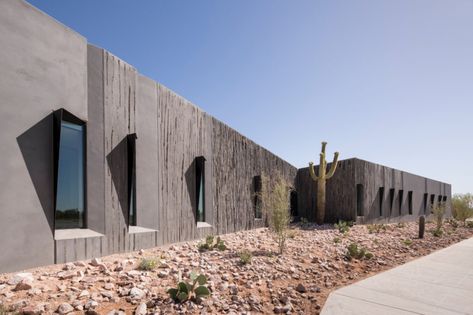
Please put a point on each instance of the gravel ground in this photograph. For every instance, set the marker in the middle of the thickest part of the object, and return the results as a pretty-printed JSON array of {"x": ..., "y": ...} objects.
[{"x": 298, "y": 282}]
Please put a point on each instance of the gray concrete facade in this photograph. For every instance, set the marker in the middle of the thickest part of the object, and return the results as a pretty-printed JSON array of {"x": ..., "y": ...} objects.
[{"x": 45, "y": 67}]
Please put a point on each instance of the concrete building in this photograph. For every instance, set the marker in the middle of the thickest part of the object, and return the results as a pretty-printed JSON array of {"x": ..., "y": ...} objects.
[
  {"x": 365, "y": 192},
  {"x": 98, "y": 159}
]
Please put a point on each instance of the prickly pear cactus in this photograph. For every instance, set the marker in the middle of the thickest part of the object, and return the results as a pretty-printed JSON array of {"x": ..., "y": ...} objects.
[
  {"x": 321, "y": 180},
  {"x": 421, "y": 226}
]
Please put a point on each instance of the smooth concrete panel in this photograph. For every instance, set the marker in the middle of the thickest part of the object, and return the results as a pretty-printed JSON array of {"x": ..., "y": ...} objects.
[
  {"x": 43, "y": 68},
  {"x": 147, "y": 189}
]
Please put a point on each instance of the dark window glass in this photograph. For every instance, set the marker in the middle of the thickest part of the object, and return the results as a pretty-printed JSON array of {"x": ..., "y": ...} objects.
[
  {"x": 70, "y": 209},
  {"x": 381, "y": 199},
  {"x": 294, "y": 205},
  {"x": 359, "y": 199},
  {"x": 401, "y": 197},
  {"x": 426, "y": 196},
  {"x": 444, "y": 198},
  {"x": 391, "y": 198},
  {"x": 200, "y": 188},
  {"x": 257, "y": 204},
  {"x": 409, "y": 201},
  {"x": 432, "y": 203},
  {"x": 131, "y": 179}
]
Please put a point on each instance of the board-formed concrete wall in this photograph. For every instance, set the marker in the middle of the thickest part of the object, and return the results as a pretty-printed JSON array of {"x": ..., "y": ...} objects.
[
  {"x": 43, "y": 67},
  {"x": 342, "y": 195}
]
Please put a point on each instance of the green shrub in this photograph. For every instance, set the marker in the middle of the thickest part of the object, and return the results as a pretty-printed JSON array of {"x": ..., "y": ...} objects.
[
  {"x": 375, "y": 228},
  {"x": 304, "y": 221},
  {"x": 453, "y": 223},
  {"x": 439, "y": 212},
  {"x": 148, "y": 264},
  {"x": 343, "y": 226},
  {"x": 462, "y": 206},
  {"x": 401, "y": 225},
  {"x": 355, "y": 252},
  {"x": 187, "y": 290},
  {"x": 245, "y": 256},
  {"x": 437, "y": 232},
  {"x": 469, "y": 224},
  {"x": 336, "y": 240},
  {"x": 407, "y": 242},
  {"x": 275, "y": 200},
  {"x": 210, "y": 245},
  {"x": 292, "y": 234}
]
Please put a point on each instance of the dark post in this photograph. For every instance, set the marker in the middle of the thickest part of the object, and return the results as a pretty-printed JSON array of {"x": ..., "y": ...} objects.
[{"x": 421, "y": 226}]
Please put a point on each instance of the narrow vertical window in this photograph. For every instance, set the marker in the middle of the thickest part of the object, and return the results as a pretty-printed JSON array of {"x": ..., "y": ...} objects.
[
  {"x": 426, "y": 196},
  {"x": 391, "y": 198},
  {"x": 294, "y": 204},
  {"x": 439, "y": 199},
  {"x": 360, "y": 196},
  {"x": 401, "y": 197},
  {"x": 257, "y": 204},
  {"x": 131, "y": 159},
  {"x": 444, "y": 199},
  {"x": 69, "y": 138},
  {"x": 200, "y": 188},
  {"x": 432, "y": 203},
  {"x": 381, "y": 199},
  {"x": 409, "y": 201}
]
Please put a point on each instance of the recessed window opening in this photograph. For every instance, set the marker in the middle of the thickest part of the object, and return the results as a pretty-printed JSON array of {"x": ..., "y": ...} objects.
[
  {"x": 200, "y": 188},
  {"x": 391, "y": 198},
  {"x": 131, "y": 152},
  {"x": 426, "y": 196},
  {"x": 294, "y": 204},
  {"x": 440, "y": 199},
  {"x": 381, "y": 199},
  {"x": 401, "y": 197},
  {"x": 69, "y": 139},
  {"x": 360, "y": 195},
  {"x": 444, "y": 199},
  {"x": 257, "y": 204},
  {"x": 432, "y": 203},
  {"x": 409, "y": 201}
]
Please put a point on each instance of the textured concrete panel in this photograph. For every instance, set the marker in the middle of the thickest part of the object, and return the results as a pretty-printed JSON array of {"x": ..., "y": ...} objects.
[{"x": 43, "y": 68}]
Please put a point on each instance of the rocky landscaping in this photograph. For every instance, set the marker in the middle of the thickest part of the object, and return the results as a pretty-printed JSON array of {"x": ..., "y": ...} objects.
[{"x": 245, "y": 277}]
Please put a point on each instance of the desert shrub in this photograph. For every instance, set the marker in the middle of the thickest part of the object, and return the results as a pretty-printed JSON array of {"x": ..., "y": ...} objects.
[
  {"x": 275, "y": 202},
  {"x": 462, "y": 206},
  {"x": 401, "y": 225},
  {"x": 343, "y": 226},
  {"x": 292, "y": 234},
  {"x": 356, "y": 252},
  {"x": 186, "y": 290},
  {"x": 453, "y": 223},
  {"x": 336, "y": 240},
  {"x": 304, "y": 221},
  {"x": 375, "y": 228},
  {"x": 437, "y": 232},
  {"x": 209, "y": 244},
  {"x": 469, "y": 224},
  {"x": 439, "y": 213},
  {"x": 407, "y": 242},
  {"x": 245, "y": 257},
  {"x": 148, "y": 264}
]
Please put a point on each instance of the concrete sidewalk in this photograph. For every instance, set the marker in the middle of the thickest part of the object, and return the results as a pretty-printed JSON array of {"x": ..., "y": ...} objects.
[{"x": 440, "y": 283}]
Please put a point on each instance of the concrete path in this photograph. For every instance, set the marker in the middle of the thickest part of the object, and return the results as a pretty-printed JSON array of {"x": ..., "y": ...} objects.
[{"x": 440, "y": 283}]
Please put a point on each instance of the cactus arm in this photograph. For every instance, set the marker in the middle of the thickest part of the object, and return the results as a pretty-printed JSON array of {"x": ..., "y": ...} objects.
[
  {"x": 333, "y": 167},
  {"x": 312, "y": 172},
  {"x": 324, "y": 144},
  {"x": 322, "y": 166}
]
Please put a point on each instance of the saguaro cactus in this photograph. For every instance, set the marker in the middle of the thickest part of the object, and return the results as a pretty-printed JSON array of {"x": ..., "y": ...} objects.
[
  {"x": 421, "y": 226},
  {"x": 321, "y": 180}
]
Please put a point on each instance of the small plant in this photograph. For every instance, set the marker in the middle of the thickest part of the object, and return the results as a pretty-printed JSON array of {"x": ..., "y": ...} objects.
[
  {"x": 376, "y": 228},
  {"x": 336, "y": 240},
  {"x": 210, "y": 245},
  {"x": 343, "y": 226},
  {"x": 304, "y": 221},
  {"x": 187, "y": 290},
  {"x": 437, "y": 233},
  {"x": 148, "y": 264},
  {"x": 401, "y": 225},
  {"x": 439, "y": 211},
  {"x": 292, "y": 234},
  {"x": 355, "y": 252},
  {"x": 407, "y": 242},
  {"x": 453, "y": 223},
  {"x": 469, "y": 224},
  {"x": 462, "y": 207},
  {"x": 245, "y": 257}
]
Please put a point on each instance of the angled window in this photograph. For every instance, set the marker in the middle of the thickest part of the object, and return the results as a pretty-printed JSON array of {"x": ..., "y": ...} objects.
[
  {"x": 381, "y": 199},
  {"x": 131, "y": 157},
  {"x": 391, "y": 198},
  {"x": 426, "y": 197},
  {"x": 440, "y": 198},
  {"x": 401, "y": 196},
  {"x": 69, "y": 185},
  {"x": 444, "y": 199},
  {"x": 359, "y": 199},
  {"x": 257, "y": 204},
  {"x": 294, "y": 204},
  {"x": 432, "y": 203},
  {"x": 409, "y": 201},
  {"x": 200, "y": 188}
]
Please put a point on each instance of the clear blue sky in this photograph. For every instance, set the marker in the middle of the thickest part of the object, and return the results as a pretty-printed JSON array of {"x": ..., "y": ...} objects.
[{"x": 389, "y": 81}]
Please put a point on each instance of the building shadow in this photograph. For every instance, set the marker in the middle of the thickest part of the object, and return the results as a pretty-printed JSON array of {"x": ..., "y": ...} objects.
[
  {"x": 117, "y": 161},
  {"x": 37, "y": 148}
]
